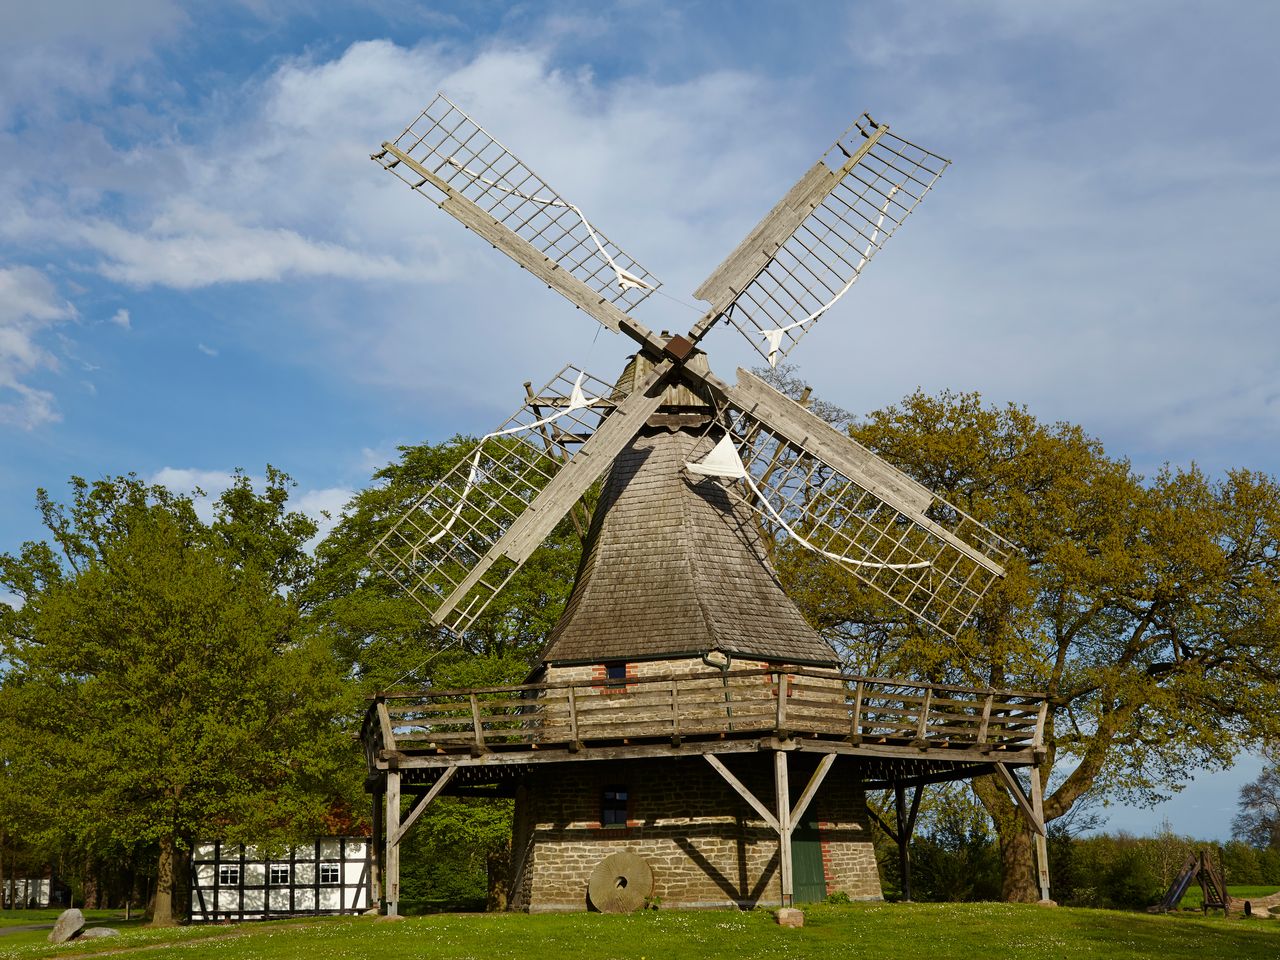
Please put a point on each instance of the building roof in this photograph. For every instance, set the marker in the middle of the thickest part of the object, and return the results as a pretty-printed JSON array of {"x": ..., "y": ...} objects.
[{"x": 673, "y": 566}]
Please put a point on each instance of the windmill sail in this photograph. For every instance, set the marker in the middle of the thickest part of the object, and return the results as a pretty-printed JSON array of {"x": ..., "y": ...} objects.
[
  {"x": 811, "y": 483},
  {"x": 463, "y": 540},
  {"x": 454, "y": 162},
  {"x": 813, "y": 246}
]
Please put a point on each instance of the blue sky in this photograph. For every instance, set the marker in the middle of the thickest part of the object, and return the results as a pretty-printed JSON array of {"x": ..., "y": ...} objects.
[{"x": 201, "y": 269}]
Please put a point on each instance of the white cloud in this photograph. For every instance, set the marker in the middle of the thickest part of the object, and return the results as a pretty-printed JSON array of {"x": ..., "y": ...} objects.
[
  {"x": 316, "y": 503},
  {"x": 122, "y": 319},
  {"x": 29, "y": 307},
  {"x": 207, "y": 350}
]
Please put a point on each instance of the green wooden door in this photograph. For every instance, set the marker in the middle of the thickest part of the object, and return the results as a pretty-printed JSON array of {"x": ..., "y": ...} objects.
[{"x": 809, "y": 879}]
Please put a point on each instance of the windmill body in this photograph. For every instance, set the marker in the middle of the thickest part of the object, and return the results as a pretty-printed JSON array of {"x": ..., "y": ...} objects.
[{"x": 686, "y": 735}]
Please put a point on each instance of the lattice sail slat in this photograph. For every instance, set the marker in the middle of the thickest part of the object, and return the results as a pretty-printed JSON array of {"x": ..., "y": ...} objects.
[
  {"x": 858, "y": 195},
  {"x": 451, "y": 147},
  {"x": 922, "y": 553},
  {"x": 444, "y": 536}
]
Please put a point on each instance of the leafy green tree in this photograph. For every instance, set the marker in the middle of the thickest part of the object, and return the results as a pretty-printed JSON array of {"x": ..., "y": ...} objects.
[
  {"x": 1147, "y": 609},
  {"x": 1258, "y": 821},
  {"x": 159, "y": 667}
]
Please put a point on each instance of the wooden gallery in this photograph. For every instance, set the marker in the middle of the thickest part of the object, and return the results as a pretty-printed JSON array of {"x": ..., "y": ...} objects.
[{"x": 687, "y": 739}]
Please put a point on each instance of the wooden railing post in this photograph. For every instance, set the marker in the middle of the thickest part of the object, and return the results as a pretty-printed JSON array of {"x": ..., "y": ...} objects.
[
  {"x": 1037, "y": 741},
  {"x": 985, "y": 722},
  {"x": 780, "y": 727},
  {"x": 574, "y": 741},
  {"x": 855, "y": 720},
  {"x": 922, "y": 726},
  {"x": 675, "y": 712},
  {"x": 475, "y": 722}
]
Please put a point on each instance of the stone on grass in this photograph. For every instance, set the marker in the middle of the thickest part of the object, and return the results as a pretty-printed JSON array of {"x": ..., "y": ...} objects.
[
  {"x": 789, "y": 917},
  {"x": 94, "y": 933},
  {"x": 69, "y": 923},
  {"x": 389, "y": 918},
  {"x": 1046, "y": 903}
]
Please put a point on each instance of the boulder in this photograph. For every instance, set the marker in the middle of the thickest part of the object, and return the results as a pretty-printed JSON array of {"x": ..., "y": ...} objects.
[
  {"x": 94, "y": 933},
  {"x": 789, "y": 917},
  {"x": 67, "y": 926}
]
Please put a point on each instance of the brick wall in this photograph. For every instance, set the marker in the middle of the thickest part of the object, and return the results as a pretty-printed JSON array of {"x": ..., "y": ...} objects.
[{"x": 706, "y": 846}]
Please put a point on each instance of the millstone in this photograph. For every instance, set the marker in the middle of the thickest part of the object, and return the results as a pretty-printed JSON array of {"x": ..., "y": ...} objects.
[
  {"x": 68, "y": 924},
  {"x": 620, "y": 883}
]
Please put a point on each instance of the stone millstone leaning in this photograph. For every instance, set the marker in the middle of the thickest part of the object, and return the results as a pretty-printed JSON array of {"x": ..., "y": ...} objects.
[{"x": 67, "y": 926}]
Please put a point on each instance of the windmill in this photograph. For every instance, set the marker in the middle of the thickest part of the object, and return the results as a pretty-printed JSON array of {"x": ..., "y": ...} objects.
[{"x": 681, "y": 450}]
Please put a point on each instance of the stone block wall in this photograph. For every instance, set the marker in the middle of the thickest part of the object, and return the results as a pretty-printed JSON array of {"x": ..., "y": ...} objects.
[{"x": 707, "y": 847}]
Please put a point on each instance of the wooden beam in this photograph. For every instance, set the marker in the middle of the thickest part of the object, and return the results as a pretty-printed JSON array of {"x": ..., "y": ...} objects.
[
  {"x": 962, "y": 757},
  {"x": 1042, "y": 841},
  {"x": 788, "y": 419},
  {"x": 391, "y": 859},
  {"x": 420, "y": 805},
  {"x": 782, "y": 797},
  {"x": 742, "y": 791},
  {"x": 811, "y": 789},
  {"x": 384, "y": 723},
  {"x": 1019, "y": 795},
  {"x": 526, "y": 254},
  {"x": 759, "y": 246}
]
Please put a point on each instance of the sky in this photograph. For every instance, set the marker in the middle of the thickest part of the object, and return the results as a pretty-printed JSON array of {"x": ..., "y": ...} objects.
[{"x": 201, "y": 269}]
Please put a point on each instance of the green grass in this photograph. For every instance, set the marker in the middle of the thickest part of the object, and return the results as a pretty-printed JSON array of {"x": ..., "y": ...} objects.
[{"x": 883, "y": 931}]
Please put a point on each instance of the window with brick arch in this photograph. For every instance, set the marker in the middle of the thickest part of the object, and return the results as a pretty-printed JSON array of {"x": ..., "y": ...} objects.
[
  {"x": 614, "y": 806},
  {"x": 615, "y": 675}
]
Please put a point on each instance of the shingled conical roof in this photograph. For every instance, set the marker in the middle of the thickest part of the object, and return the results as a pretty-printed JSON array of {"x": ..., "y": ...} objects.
[{"x": 675, "y": 567}]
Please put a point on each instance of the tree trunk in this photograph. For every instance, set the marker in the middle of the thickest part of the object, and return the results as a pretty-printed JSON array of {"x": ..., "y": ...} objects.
[
  {"x": 1017, "y": 861},
  {"x": 162, "y": 914}
]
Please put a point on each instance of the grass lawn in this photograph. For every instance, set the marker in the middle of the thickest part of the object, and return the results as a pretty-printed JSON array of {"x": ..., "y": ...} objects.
[{"x": 882, "y": 931}]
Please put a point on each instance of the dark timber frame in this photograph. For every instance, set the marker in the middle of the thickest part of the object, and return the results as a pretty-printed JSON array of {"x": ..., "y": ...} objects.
[{"x": 901, "y": 735}]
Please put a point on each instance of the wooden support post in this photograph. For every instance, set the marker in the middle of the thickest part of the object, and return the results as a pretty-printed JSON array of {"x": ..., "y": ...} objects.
[
  {"x": 782, "y": 794},
  {"x": 391, "y": 859},
  {"x": 903, "y": 838},
  {"x": 1042, "y": 843},
  {"x": 379, "y": 851}
]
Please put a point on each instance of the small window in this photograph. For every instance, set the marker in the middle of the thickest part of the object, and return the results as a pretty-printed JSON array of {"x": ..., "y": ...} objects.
[
  {"x": 615, "y": 675},
  {"x": 229, "y": 875},
  {"x": 613, "y": 807},
  {"x": 279, "y": 874},
  {"x": 330, "y": 873}
]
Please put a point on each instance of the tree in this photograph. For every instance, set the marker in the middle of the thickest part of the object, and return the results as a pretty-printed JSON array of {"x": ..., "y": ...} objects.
[
  {"x": 1258, "y": 821},
  {"x": 1147, "y": 610},
  {"x": 160, "y": 668}
]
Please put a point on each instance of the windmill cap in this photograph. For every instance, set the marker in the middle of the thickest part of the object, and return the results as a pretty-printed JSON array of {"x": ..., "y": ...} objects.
[{"x": 679, "y": 397}]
